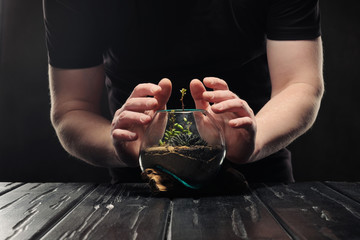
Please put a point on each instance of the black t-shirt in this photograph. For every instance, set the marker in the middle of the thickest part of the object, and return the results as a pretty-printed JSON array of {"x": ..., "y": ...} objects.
[{"x": 146, "y": 40}]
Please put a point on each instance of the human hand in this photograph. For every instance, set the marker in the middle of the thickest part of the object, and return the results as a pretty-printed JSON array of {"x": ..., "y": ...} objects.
[
  {"x": 232, "y": 113},
  {"x": 130, "y": 121}
]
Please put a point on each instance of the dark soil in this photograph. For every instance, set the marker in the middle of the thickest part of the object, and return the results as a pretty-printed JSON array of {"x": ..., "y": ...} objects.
[{"x": 194, "y": 164}]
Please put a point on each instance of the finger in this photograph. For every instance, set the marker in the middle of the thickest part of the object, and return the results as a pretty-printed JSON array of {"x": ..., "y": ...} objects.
[
  {"x": 215, "y": 83},
  {"x": 120, "y": 135},
  {"x": 140, "y": 104},
  {"x": 145, "y": 89},
  {"x": 238, "y": 106},
  {"x": 197, "y": 89},
  {"x": 244, "y": 122},
  {"x": 218, "y": 96},
  {"x": 163, "y": 95},
  {"x": 127, "y": 119}
]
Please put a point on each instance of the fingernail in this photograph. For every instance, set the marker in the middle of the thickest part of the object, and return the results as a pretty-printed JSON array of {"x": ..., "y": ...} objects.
[
  {"x": 155, "y": 89},
  {"x": 219, "y": 107},
  {"x": 144, "y": 119},
  {"x": 233, "y": 123},
  {"x": 150, "y": 104},
  {"x": 132, "y": 135},
  {"x": 210, "y": 80}
]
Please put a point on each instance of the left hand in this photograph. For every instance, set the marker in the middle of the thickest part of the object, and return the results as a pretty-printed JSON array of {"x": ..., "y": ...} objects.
[
  {"x": 232, "y": 113},
  {"x": 132, "y": 119}
]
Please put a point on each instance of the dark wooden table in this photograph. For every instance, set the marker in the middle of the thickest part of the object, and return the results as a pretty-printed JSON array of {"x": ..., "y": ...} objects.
[{"x": 310, "y": 210}]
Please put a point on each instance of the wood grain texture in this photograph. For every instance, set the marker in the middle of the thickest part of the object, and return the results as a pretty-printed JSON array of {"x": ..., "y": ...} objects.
[
  {"x": 31, "y": 209},
  {"x": 349, "y": 189},
  {"x": 8, "y": 186},
  {"x": 312, "y": 210},
  {"x": 50, "y": 211},
  {"x": 115, "y": 212},
  {"x": 223, "y": 217}
]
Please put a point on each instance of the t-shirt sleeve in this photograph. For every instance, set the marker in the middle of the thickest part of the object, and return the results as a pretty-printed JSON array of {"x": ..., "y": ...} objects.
[
  {"x": 74, "y": 33},
  {"x": 293, "y": 20}
]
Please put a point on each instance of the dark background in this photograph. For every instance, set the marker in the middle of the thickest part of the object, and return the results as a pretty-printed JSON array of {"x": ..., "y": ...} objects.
[{"x": 30, "y": 151}]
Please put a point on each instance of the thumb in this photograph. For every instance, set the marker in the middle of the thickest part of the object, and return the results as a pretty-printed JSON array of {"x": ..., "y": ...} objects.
[
  {"x": 197, "y": 89},
  {"x": 163, "y": 96}
]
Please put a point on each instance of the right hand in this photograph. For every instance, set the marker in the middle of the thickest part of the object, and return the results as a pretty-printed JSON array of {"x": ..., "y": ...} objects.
[
  {"x": 233, "y": 114},
  {"x": 130, "y": 121}
]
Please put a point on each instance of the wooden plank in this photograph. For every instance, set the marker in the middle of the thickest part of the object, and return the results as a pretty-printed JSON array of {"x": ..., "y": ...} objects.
[
  {"x": 31, "y": 209},
  {"x": 123, "y": 211},
  {"x": 222, "y": 217},
  {"x": 350, "y": 189},
  {"x": 8, "y": 186},
  {"x": 313, "y": 211}
]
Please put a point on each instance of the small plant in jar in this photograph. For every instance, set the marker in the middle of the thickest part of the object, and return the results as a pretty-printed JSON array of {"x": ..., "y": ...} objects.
[{"x": 181, "y": 146}]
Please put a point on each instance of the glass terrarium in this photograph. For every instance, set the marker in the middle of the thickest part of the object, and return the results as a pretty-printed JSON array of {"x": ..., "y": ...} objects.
[{"x": 186, "y": 144}]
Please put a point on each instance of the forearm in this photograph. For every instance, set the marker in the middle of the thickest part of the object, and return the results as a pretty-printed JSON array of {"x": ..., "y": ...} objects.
[
  {"x": 285, "y": 117},
  {"x": 75, "y": 115},
  {"x": 86, "y": 136}
]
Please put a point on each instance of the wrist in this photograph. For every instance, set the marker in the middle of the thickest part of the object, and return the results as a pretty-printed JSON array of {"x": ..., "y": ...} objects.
[
  {"x": 256, "y": 154},
  {"x": 124, "y": 158},
  {"x": 241, "y": 156}
]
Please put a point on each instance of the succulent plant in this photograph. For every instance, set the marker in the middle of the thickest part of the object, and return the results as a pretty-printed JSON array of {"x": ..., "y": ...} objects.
[{"x": 184, "y": 139}]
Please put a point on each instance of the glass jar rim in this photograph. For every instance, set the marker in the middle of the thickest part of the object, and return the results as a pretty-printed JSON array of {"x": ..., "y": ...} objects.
[{"x": 181, "y": 110}]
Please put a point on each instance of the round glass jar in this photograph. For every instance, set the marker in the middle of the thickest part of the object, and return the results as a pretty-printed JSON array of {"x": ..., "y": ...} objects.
[{"x": 186, "y": 144}]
